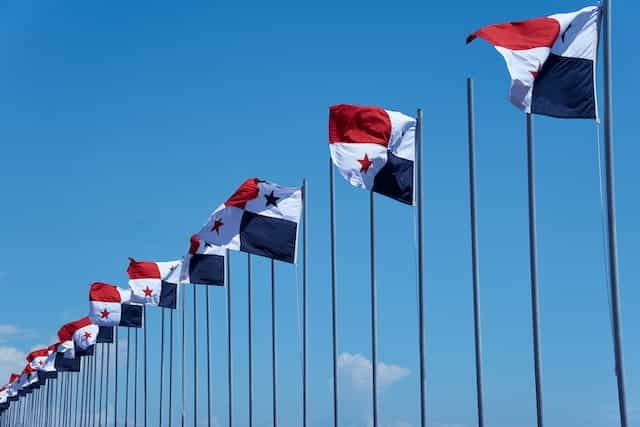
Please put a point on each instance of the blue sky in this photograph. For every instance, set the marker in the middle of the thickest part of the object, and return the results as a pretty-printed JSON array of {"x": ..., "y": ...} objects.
[{"x": 123, "y": 125}]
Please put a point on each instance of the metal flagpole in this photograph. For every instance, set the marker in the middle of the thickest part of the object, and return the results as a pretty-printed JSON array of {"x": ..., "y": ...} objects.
[
  {"x": 182, "y": 367},
  {"x": 106, "y": 393},
  {"x": 94, "y": 401},
  {"x": 78, "y": 390},
  {"x": 250, "y": 341},
  {"x": 420, "y": 208},
  {"x": 274, "y": 387},
  {"x": 171, "y": 367},
  {"x": 209, "y": 355},
  {"x": 229, "y": 361},
  {"x": 161, "y": 410},
  {"x": 126, "y": 388},
  {"x": 611, "y": 216},
  {"x": 474, "y": 252},
  {"x": 145, "y": 367},
  {"x": 304, "y": 302},
  {"x": 334, "y": 301},
  {"x": 47, "y": 404},
  {"x": 533, "y": 268},
  {"x": 135, "y": 375},
  {"x": 85, "y": 393},
  {"x": 115, "y": 378},
  {"x": 374, "y": 355},
  {"x": 195, "y": 356},
  {"x": 101, "y": 384}
]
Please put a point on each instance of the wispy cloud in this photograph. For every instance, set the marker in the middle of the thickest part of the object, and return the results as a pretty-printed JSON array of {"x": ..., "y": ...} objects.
[{"x": 357, "y": 370}]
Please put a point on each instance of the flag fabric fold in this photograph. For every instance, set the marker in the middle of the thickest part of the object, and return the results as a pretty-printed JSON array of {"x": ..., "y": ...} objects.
[
  {"x": 374, "y": 149},
  {"x": 108, "y": 307},
  {"x": 82, "y": 334},
  {"x": 205, "y": 263},
  {"x": 260, "y": 218},
  {"x": 155, "y": 283},
  {"x": 552, "y": 62}
]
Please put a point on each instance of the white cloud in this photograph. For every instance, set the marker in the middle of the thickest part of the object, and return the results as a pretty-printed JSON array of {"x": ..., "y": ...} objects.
[
  {"x": 9, "y": 330},
  {"x": 356, "y": 369},
  {"x": 11, "y": 360}
]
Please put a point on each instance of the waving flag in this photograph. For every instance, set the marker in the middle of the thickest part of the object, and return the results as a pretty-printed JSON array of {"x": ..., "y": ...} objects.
[
  {"x": 205, "y": 263},
  {"x": 374, "y": 149},
  {"x": 108, "y": 308},
  {"x": 13, "y": 387},
  {"x": 259, "y": 218},
  {"x": 43, "y": 360},
  {"x": 83, "y": 334},
  {"x": 552, "y": 62},
  {"x": 154, "y": 283}
]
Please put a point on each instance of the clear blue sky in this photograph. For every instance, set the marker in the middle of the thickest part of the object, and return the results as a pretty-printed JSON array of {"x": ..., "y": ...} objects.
[{"x": 124, "y": 125}]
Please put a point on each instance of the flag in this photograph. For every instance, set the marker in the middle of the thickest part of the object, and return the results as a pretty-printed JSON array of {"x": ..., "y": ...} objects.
[
  {"x": 108, "y": 308},
  {"x": 205, "y": 263},
  {"x": 83, "y": 334},
  {"x": 12, "y": 387},
  {"x": 28, "y": 379},
  {"x": 374, "y": 149},
  {"x": 260, "y": 218},
  {"x": 43, "y": 360},
  {"x": 154, "y": 283},
  {"x": 64, "y": 363},
  {"x": 552, "y": 62}
]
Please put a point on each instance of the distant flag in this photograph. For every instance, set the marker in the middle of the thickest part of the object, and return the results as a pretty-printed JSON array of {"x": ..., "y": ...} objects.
[
  {"x": 108, "y": 307},
  {"x": 552, "y": 62},
  {"x": 83, "y": 333},
  {"x": 154, "y": 283},
  {"x": 374, "y": 149},
  {"x": 43, "y": 360},
  {"x": 28, "y": 379},
  {"x": 260, "y": 218},
  {"x": 205, "y": 263},
  {"x": 13, "y": 387}
]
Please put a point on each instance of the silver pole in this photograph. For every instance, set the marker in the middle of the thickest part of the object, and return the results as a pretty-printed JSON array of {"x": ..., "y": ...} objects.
[
  {"x": 101, "y": 384},
  {"x": 374, "y": 344},
  {"x": 611, "y": 216},
  {"x": 209, "y": 356},
  {"x": 533, "y": 268},
  {"x": 334, "y": 301},
  {"x": 305, "y": 247},
  {"x": 474, "y": 253},
  {"x": 145, "y": 368},
  {"x": 161, "y": 409},
  {"x": 106, "y": 393},
  {"x": 135, "y": 373},
  {"x": 229, "y": 361},
  {"x": 195, "y": 356},
  {"x": 171, "y": 341},
  {"x": 126, "y": 388},
  {"x": 115, "y": 384},
  {"x": 183, "y": 360},
  {"x": 420, "y": 208},
  {"x": 249, "y": 310},
  {"x": 274, "y": 387},
  {"x": 94, "y": 401}
]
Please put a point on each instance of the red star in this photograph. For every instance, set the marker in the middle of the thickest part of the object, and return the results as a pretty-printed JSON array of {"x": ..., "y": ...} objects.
[
  {"x": 365, "y": 164},
  {"x": 104, "y": 314},
  {"x": 216, "y": 225},
  {"x": 147, "y": 292},
  {"x": 86, "y": 335}
]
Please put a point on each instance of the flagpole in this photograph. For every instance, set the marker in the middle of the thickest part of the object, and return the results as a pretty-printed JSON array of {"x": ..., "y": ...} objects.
[
  {"x": 161, "y": 365},
  {"x": 171, "y": 341},
  {"x": 374, "y": 349},
  {"x": 75, "y": 413},
  {"x": 611, "y": 216},
  {"x": 95, "y": 384},
  {"x": 250, "y": 340},
  {"x": 305, "y": 247},
  {"x": 229, "y": 361},
  {"x": 420, "y": 210},
  {"x": 183, "y": 359},
  {"x": 115, "y": 385},
  {"x": 474, "y": 252},
  {"x": 126, "y": 389},
  {"x": 83, "y": 388},
  {"x": 135, "y": 374},
  {"x": 106, "y": 393},
  {"x": 533, "y": 269},
  {"x": 209, "y": 355},
  {"x": 334, "y": 302},
  {"x": 195, "y": 356},
  {"x": 146, "y": 366},
  {"x": 274, "y": 387},
  {"x": 101, "y": 383}
]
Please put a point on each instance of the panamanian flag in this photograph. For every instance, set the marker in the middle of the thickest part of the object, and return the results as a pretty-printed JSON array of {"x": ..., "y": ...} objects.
[
  {"x": 108, "y": 307},
  {"x": 82, "y": 334},
  {"x": 204, "y": 264},
  {"x": 43, "y": 360},
  {"x": 260, "y": 218},
  {"x": 374, "y": 149},
  {"x": 552, "y": 62},
  {"x": 12, "y": 387},
  {"x": 154, "y": 283}
]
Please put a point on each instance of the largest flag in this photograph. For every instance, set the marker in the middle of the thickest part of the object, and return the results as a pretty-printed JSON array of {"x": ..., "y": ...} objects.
[
  {"x": 259, "y": 218},
  {"x": 552, "y": 62}
]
